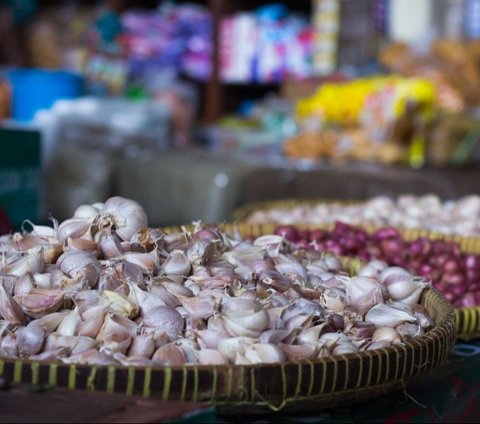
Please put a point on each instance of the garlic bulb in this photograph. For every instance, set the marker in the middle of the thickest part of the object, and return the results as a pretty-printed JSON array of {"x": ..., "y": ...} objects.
[{"x": 124, "y": 215}]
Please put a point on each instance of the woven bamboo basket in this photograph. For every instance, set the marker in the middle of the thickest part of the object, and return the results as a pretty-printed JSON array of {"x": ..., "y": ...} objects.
[
  {"x": 467, "y": 320},
  {"x": 290, "y": 386}
]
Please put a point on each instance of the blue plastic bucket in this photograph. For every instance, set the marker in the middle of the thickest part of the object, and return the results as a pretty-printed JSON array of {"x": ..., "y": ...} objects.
[{"x": 36, "y": 89}]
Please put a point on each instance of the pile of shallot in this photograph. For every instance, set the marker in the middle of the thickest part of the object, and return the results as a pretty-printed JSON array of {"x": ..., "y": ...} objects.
[
  {"x": 460, "y": 216},
  {"x": 103, "y": 288},
  {"x": 452, "y": 272}
]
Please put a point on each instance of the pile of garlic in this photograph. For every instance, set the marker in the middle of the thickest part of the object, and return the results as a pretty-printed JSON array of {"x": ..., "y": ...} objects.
[
  {"x": 428, "y": 212},
  {"x": 103, "y": 288}
]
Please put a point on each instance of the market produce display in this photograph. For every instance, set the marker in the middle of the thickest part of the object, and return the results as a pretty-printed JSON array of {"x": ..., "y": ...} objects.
[
  {"x": 103, "y": 288},
  {"x": 426, "y": 212},
  {"x": 453, "y": 273},
  {"x": 379, "y": 121}
]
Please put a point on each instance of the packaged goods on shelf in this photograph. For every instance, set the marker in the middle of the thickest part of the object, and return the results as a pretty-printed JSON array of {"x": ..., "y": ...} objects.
[
  {"x": 452, "y": 65},
  {"x": 111, "y": 124},
  {"x": 363, "y": 119},
  {"x": 261, "y": 128},
  {"x": 265, "y": 46}
]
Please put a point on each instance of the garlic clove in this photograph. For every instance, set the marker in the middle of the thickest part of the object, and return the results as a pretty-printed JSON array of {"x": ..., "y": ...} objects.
[
  {"x": 73, "y": 228},
  {"x": 51, "y": 253},
  {"x": 275, "y": 317},
  {"x": 244, "y": 256},
  {"x": 38, "y": 302},
  {"x": 32, "y": 262},
  {"x": 402, "y": 287},
  {"x": 424, "y": 320},
  {"x": 148, "y": 239},
  {"x": 192, "y": 286},
  {"x": 377, "y": 345},
  {"x": 265, "y": 353},
  {"x": 92, "y": 323},
  {"x": 90, "y": 357},
  {"x": 42, "y": 281},
  {"x": 167, "y": 298},
  {"x": 30, "y": 340},
  {"x": 8, "y": 346},
  {"x": 50, "y": 322},
  {"x": 394, "y": 273},
  {"x": 302, "y": 307},
  {"x": 277, "y": 336},
  {"x": 241, "y": 360},
  {"x": 167, "y": 319},
  {"x": 332, "y": 263},
  {"x": 116, "y": 333},
  {"x": 110, "y": 246},
  {"x": 176, "y": 263},
  {"x": 362, "y": 294},
  {"x": 246, "y": 324},
  {"x": 74, "y": 344},
  {"x": 299, "y": 321},
  {"x": 146, "y": 301},
  {"x": 199, "y": 307},
  {"x": 175, "y": 241},
  {"x": 385, "y": 315},
  {"x": 189, "y": 346},
  {"x": 50, "y": 355},
  {"x": 209, "y": 339},
  {"x": 170, "y": 354},
  {"x": 210, "y": 357},
  {"x": 119, "y": 304},
  {"x": 69, "y": 324},
  {"x": 201, "y": 251},
  {"x": 409, "y": 330},
  {"x": 387, "y": 334},
  {"x": 330, "y": 340},
  {"x": 86, "y": 299},
  {"x": 142, "y": 346},
  {"x": 360, "y": 330},
  {"x": 232, "y": 346},
  {"x": 414, "y": 296},
  {"x": 145, "y": 261},
  {"x": 272, "y": 244},
  {"x": 369, "y": 271},
  {"x": 378, "y": 265},
  {"x": 312, "y": 334},
  {"x": 174, "y": 288},
  {"x": 10, "y": 309},
  {"x": 87, "y": 212},
  {"x": 333, "y": 299},
  {"x": 336, "y": 321},
  {"x": 275, "y": 279},
  {"x": 293, "y": 270},
  {"x": 194, "y": 324},
  {"x": 343, "y": 348},
  {"x": 245, "y": 272},
  {"x": 299, "y": 352},
  {"x": 80, "y": 265},
  {"x": 216, "y": 323},
  {"x": 136, "y": 361},
  {"x": 235, "y": 305}
]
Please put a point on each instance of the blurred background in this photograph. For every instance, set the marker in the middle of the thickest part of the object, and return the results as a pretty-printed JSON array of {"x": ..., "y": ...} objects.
[{"x": 196, "y": 108}]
